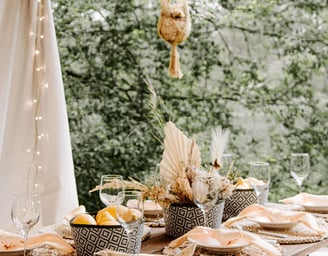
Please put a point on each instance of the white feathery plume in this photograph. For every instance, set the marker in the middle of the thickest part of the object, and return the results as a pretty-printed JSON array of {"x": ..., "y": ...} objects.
[{"x": 220, "y": 139}]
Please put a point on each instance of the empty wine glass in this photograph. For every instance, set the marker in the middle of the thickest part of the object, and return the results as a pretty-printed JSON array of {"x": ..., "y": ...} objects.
[
  {"x": 130, "y": 215},
  {"x": 110, "y": 188},
  {"x": 259, "y": 178},
  {"x": 205, "y": 192},
  {"x": 226, "y": 162},
  {"x": 25, "y": 213},
  {"x": 299, "y": 167}
]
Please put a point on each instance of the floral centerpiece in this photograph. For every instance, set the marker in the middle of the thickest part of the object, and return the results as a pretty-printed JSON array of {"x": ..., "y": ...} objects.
[
  {"x": 172, "y": 189},
  {"x": 180, "y": 164}
]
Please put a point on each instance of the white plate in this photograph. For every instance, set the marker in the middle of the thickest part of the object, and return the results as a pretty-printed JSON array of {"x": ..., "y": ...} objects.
[
  {"x": 17, "y": 252},
  {"x": 275, "y": 225},
  {"x": 312, "y": 208},
  {"x": 224, "y": 249}
]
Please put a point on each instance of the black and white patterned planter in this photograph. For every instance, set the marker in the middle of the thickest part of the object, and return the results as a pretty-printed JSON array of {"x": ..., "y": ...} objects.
[
  {"x": 89, "y": 239},
  {"x": 238, "y": 201},
  {"x": 180, "y": 219}
]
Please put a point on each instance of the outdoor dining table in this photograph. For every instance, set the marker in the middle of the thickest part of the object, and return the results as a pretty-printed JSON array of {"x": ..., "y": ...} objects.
[{"x": 158, "y": 240}]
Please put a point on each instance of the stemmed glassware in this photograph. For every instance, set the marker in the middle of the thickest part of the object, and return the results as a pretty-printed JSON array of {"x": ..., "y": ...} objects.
[
  {"x": 205, "y": 192},
  {"x": 259, "y": 177},
  {"x": 299, "y": 167},
  {"x": 226, "y": 161},
  {"x": 131, "y": 215},
  {"x": 110, "y": 190},
  {"x": 25, "y": 213}
]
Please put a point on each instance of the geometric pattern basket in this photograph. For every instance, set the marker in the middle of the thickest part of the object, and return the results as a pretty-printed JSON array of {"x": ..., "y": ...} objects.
[
  {"x": 179, "y": 219},
  {"x": 238, "y": 201},
  {"x": 89, "y": 239}
]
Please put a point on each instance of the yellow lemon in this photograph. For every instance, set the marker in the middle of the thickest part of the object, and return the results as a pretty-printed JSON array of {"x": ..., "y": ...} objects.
[
  {"x": 104, "y": 216},
  {"x": 123, "y": 212},
  {"x": 84, "y": 218},
  {"x": 110, "y": 209},
  {"x": 135, "y": 214},
  {"x": 240, "y": 182}
]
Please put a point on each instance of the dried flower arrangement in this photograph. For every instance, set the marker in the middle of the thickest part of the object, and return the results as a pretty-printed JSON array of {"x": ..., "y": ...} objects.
[{"x": 180, "y": 164}]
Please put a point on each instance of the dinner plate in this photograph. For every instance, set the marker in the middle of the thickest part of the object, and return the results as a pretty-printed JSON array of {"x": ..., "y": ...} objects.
[
  {"x": 276, "y": 225},
  {"x": 224, "y": 249},
  {"x": 232, "y": 249},
  {"x": 313, "y": 208},
  {"x": 18, "y": 252}
]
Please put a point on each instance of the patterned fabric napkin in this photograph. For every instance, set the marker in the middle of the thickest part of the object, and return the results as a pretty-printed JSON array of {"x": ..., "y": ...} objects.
[
  {"x": 272, "y": 215},
  {"x": 307, "y": 199},
  {"x": 9, "y": 241},
  {"x": 208, "y": 237}
]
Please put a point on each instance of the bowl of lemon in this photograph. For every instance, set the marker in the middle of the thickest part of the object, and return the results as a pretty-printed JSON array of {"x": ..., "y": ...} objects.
[{"x": 93, "y": 232}]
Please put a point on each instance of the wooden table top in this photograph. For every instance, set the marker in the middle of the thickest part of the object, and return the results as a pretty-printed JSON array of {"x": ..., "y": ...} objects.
[{"x": 159, "y": 240}]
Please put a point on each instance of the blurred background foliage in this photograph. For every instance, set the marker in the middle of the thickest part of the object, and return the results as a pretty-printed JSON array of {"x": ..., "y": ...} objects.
[{"x": 257, "y": 68}]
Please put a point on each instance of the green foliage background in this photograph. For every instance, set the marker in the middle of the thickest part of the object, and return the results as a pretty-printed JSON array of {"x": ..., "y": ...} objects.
[{"x": 258, "y": 68}]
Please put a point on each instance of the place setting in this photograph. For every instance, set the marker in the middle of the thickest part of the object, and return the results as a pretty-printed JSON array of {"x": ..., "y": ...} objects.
[{"x": 25, "y": 214}]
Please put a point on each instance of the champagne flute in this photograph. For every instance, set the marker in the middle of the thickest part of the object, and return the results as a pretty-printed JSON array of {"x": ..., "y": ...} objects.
[
  {"x": 205, "y": 192},
  {"x": 299, "y": 167},
  {"x": 25, "y": 213},
  {"x": 110, "y": 187},
  {"x": 130, "y": 215},
  {"x": 259, "y": 177}
]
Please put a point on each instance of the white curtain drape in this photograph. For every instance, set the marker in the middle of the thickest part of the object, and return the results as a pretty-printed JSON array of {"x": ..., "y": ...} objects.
[{"x": 35, "y": 147}]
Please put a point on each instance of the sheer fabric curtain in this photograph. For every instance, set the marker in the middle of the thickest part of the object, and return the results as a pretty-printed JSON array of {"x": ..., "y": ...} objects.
[{"x": 35, "y": 149}]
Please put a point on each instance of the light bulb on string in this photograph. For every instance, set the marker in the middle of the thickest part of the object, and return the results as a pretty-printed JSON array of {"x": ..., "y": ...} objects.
[{"x": 36, "y": 171}]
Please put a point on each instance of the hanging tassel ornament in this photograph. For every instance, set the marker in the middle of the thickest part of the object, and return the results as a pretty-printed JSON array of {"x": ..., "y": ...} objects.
[{"x": 174, "y": 26}]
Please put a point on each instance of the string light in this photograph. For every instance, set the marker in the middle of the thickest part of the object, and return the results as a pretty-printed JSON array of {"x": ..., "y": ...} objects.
[{"x": 35, "y": 104}]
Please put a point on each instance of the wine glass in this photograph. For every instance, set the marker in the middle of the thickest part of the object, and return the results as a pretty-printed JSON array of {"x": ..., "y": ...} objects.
[
  {"x": 25, "y": 213},
  {"x": 110, "y": 187},
  {"x": 130, "y": 214},
  {"x": 299, "y": 167},
  {"x": 259, "y": 177},
  {"x": 226, "y": 162},
  {"x": 205, "y": 192}
]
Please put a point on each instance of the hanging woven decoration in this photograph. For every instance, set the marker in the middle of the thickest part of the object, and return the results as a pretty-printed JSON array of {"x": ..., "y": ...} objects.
[{"x": 174, "y": 26}]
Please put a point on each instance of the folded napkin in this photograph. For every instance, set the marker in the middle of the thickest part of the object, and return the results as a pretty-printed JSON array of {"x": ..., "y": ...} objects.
[
  {"x": 271, "y": 215},
  {"x": 224, "y": 238},
  {"x": 307, "y": 199},
  {"x": 9, "y": 241}
]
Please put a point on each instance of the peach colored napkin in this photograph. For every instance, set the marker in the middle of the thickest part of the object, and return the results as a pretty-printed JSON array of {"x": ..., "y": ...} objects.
[
  {"x": 9, "y": 241},
  {"x": 223, "y": 238},
  {"x": 307, "y": 199},
  {"x": 272, "y": 215}
]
